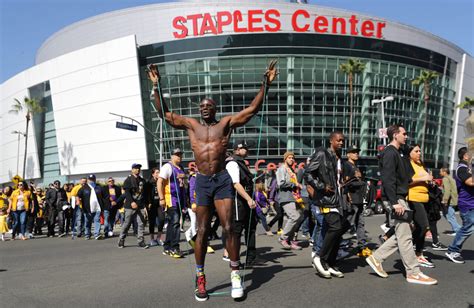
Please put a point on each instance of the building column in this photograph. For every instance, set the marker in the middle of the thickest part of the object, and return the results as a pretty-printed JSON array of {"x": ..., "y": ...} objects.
[
  {"x": 207, "y": 77},
  {"x": 365, "y": 115},
  {"x": 290, "y": 102}
]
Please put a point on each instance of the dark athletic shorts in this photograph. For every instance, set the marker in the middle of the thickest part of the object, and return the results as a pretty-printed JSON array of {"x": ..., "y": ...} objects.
[{"x": 213, "y": 187}]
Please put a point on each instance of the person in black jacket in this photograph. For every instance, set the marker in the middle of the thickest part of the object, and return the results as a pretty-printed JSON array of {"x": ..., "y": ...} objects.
[
  {"x": 90, "y": 195},
  {"x": 321, "y": 174},
  {"x": 135, "y": 202},
  {"x": 56, "y": 198},
  {"x": 156, "y": 214},
  {"x": 244, "y": 215},
  {"x": 355, "y": 190},
  {"x": 111, "y": 193},
  {"x": 395, "y": 181}
]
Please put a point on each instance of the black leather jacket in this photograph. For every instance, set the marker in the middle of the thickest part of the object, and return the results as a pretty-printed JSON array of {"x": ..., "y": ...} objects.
[{"x": 321, "y": 172}]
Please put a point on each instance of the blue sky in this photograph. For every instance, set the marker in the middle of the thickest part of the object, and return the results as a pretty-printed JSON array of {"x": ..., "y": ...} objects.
[{"x": 26, "y": 24}]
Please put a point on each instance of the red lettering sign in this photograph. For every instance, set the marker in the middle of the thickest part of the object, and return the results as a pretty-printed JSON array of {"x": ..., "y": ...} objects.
[
  {"x": 272, "y": 20},
  {"x": 260, "y": 21},
  {"x": 294, "y": 21}
]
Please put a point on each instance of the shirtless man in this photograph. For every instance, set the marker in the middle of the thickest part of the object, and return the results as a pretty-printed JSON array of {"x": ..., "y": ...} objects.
[{"x": 209, "y": 140}]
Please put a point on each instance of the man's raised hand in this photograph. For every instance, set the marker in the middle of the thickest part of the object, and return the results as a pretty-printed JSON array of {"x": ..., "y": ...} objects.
[
  {"x": 271, "y": 72},
  {"x": 153, "y": 74}
]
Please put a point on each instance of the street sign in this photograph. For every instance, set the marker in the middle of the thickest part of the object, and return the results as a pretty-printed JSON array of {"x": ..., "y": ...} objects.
[
  {"x": 382, "y": 133},
  {"x": 126, "y": 126}
]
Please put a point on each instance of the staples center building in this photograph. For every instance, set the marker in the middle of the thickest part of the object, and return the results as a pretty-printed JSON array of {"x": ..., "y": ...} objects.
[{"x": 220, "y": 49}]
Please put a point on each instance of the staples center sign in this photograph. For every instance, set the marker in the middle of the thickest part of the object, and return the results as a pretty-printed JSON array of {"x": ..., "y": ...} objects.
[{"x": 259, "y": 21}]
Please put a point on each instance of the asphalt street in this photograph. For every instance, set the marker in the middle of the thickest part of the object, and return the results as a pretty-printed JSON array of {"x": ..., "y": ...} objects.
[{"x": 61, "y": 272}]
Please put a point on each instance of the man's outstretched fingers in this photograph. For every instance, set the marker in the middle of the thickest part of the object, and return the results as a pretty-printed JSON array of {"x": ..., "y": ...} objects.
[{"x": 272, "y": 64}]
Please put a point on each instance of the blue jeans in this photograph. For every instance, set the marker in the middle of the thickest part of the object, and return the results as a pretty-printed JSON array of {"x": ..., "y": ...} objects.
[
  {"x": 107, "y": 226},
  {"x": 319, "y": 230},
  {"x": 263, "y": 220},
  {"x": 76, "y": 221},
  {"x": 172, "y": 231},
  {"x": 19, "y": 223},
  {"x": 88, "y": 217},
  {"x": 464, "y": 232},
  {"x": 450, "y": 215}
]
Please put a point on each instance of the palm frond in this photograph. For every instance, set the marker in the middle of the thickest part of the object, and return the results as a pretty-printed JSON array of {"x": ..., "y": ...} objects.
[{"x": 467, "y": 104}]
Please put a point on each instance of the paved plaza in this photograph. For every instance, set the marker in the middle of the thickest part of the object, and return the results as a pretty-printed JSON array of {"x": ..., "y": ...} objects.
[{"x": 60, "y": 272}]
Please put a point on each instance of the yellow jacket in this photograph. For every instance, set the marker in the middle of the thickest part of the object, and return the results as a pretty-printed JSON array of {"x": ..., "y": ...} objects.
[
  {"x": 26, "y": 199},
  {"x": 74, "y": 192},
  {"x": 3, "y": 201}
]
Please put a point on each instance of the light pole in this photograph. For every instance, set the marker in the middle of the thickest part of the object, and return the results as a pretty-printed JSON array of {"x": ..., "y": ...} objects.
[
  {"x": 381, "y": 101},
  {"x": 19, "y": 133}
]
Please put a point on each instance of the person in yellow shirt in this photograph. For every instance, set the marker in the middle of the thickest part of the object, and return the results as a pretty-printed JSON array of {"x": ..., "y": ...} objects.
[
  {"x": 418, "y": 197},
  {"x": 20, "y": 202},
  {"x": 39, "y": 219},
  {"x": 77, "y": 217}
]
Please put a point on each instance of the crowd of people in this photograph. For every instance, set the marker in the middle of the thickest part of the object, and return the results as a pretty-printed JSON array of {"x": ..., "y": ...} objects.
[{"x": 322, "y": 200}]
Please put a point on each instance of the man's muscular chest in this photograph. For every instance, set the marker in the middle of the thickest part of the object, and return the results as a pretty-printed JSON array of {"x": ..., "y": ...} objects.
[{"x": 212, "y": 134}]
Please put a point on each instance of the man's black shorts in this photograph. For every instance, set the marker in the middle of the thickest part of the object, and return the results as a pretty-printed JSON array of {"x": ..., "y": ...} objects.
[{"x": 213, "y": 187}]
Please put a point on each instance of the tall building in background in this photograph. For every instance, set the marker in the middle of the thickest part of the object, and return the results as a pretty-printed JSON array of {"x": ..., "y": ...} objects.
[{"x": 220, "y": 49}]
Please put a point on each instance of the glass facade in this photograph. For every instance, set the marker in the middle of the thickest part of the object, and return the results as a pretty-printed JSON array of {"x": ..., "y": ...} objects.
[
  {"x": 46, "y": 134},
  {"x": 310, "y": 97}
]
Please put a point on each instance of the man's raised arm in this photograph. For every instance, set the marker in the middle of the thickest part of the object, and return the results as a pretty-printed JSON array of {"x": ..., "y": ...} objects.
[
  {"x": 173, "y": 119},
  {"x": 245, "y": 115}
]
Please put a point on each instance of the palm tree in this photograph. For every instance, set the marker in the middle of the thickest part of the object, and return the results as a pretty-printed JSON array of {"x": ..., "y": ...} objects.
[
  {"x": 30, "y": 107},
  {"x": 467, "y": 104},
  {"x": 425, "y": 78},
  {"x": 351, "y": 68}
]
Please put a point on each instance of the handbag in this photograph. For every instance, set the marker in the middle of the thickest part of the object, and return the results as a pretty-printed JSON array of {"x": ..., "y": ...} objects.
[
  {"x": 264, "y": 210},
  {"x": 407, "y": 216}
]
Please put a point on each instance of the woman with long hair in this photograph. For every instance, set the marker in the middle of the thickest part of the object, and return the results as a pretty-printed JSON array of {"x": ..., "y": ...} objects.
[
  {"x": 418, "y": 198},
  {"x": 20, "y": 203}
]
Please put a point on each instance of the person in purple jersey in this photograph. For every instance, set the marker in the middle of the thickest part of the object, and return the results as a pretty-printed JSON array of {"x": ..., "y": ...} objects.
[
  {"x": 172, "y": 192},
  {"x": 465, "y": 185}
]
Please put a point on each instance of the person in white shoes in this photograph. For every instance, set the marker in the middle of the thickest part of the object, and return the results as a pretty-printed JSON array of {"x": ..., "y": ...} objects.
[
  {"x": 395, "y": 188},
  {"x": 323, "y": 181},
  {"x": 418, "y": 199}
]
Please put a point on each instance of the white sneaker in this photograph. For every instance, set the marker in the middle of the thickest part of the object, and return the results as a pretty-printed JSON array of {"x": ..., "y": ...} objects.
[
  {"x": 384, "y": 228},
  {"x": 237, "y": 289},
  {"x": 110, "y": 234},
  {"x": 336, "y": 272},
  {"x": 321, "y": 267}
]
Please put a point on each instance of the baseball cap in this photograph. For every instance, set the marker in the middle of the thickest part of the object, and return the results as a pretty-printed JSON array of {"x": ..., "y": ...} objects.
[
  {"x": 176, "y": 151},
  {"x": 352, "y": 149},
  {"x": 136, "y": 166},
  {"x": 91, "y": 177},
  {"x": 241, "y": 145}
]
